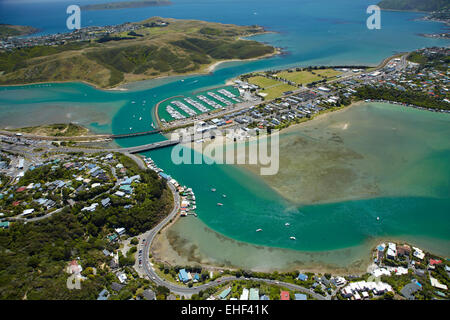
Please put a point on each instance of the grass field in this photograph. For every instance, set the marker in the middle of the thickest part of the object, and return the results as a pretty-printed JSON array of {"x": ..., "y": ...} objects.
[
  {"x": 299, "y": 77},
  {"x": 305, "y": 77},
  {"x": 263, "y": 82},
  {"x": 329, "y": 73},
  {"x": 272, "y": 88},
  {"x": 277, "y": 91}
]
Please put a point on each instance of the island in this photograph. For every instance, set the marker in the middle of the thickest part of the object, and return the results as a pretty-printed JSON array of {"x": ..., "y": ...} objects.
[
  {"x": 109, "y": 56},
  {"x": 126, "y": 4},
  {"x": 413, "y": 5}
]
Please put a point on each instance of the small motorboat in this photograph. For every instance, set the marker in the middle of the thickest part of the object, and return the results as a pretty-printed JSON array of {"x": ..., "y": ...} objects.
[
  {"x": 287, "y": 224},
  {"x": 259, "y": 230},
  {"x": 378, "y": 218},
  {"x": 292, "y": 238},
  {"x": 220, "y": 204},
  {"x": 224, "y": 195},
  {"x": 213, "y": 190}
]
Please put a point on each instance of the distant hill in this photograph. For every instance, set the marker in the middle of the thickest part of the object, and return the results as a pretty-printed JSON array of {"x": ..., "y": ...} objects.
[
  {"x": 414, "y": 5},
  {"x": 126, "y": 4},
  {"x": 8, "y": 30}
]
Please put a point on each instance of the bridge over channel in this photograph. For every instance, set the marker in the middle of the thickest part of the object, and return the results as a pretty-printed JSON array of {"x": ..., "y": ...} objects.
[
  {"x": 134, "y": 134},
  {"x": 155, "y": 145},
  {"x": 150, "y": 146}
]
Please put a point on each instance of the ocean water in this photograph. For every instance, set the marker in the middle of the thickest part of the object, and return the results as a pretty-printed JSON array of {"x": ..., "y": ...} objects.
[{"x": 310, "y": 32}]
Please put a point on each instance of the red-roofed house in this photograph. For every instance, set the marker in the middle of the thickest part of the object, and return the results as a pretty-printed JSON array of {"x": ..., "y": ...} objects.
[
  {"x": 16, "y": 203},
  {"x": 433, "y": 262},
  {"x": 21, "y": 189},
  {"x": 284, "y": 295}
]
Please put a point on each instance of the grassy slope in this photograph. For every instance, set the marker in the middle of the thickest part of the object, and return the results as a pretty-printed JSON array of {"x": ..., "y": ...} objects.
[
  {"x": 414, "y": 5},
  {"x": 7, "y": 30},
  {"x": 185, "y": 46}
]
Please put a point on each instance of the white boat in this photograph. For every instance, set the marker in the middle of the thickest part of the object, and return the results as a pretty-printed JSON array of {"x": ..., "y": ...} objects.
[
  {"x": 287, "y": 224},
  {"x": 292, "y": 238},
  {"x": 140, "y": 118},
  {"x": 378, "y": 218},
  {"x": 259, "y": 230},
  {"x": 131, "y": 128},
  {"x": 133, "y": 102},
  {"x": 224, "y": 195},
  {"x": 220, "y": 204},
  {"x": 213, "y": 190}
]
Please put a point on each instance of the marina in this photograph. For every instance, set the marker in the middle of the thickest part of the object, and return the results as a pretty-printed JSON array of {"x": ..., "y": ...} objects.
[{"x": 197, "y": 104}]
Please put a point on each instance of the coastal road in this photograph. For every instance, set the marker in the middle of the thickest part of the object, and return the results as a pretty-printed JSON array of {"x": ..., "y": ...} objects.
[{"x": 186, "y": 291}]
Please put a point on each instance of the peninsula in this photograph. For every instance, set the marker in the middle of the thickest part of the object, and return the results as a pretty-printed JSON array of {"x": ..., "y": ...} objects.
[
  {"x": 109, "y": 56},
  {"x": 8, "y": 30}
]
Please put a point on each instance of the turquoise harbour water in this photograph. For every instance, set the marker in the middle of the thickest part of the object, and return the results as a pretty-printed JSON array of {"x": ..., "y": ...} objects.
[{"x": 311, "y": 32}]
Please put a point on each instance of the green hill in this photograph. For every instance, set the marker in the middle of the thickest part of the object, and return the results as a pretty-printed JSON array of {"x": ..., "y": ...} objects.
[
  {"x": 181, "y": 47},
  {"x": 7, "y": 30}
]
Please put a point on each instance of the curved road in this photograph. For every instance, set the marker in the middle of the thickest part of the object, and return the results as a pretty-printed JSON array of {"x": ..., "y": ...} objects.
[
  {"x": 150, "y": 235},
  {"x": 186, "y": 291}
]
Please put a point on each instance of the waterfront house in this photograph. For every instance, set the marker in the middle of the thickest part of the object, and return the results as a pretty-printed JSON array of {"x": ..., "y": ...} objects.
[
  {"x": 183, "y": 276},
  {"x": 404, "y": 250},
  {"x": 302, "y": 277}
]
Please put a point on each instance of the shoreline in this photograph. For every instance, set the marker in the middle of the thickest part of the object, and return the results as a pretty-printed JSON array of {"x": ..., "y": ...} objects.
[
  {"x": 162, "y": 250},
  {"x": 203, "y": 71},
  {"x": 207, "y": 69}
]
